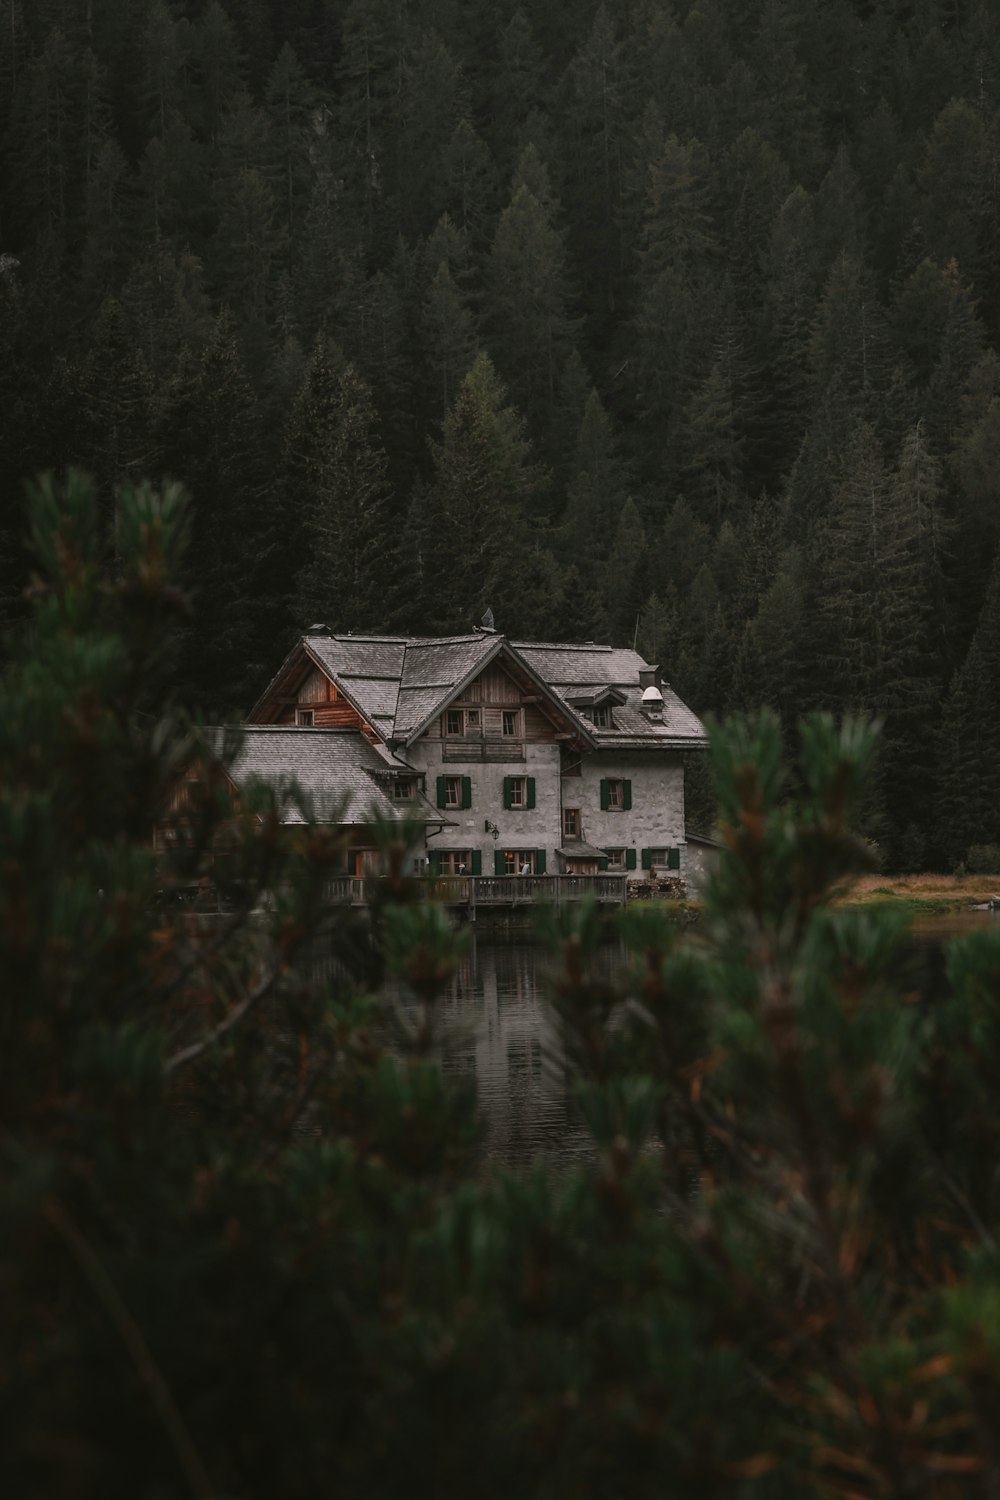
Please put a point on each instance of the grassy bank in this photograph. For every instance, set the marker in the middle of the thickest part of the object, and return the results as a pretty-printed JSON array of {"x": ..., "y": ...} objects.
[{"x": 936, "y": 894}]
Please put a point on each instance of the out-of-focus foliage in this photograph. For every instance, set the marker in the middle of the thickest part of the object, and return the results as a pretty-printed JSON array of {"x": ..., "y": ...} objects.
[{"x": 248, "y": 1245}]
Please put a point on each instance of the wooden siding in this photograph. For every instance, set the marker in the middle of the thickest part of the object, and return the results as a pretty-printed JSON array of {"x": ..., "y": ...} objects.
[
  {"x": 339, "y": 715},
  {"x": 492, "y": 692},
  {"x": 494, "y": 686},
  {"x": 315, "y": 688}
]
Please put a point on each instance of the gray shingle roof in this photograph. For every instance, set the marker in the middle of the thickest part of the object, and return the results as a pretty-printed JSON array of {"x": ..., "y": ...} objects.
[
  {"x": 581, "y": 850},
  {"x": 401, "y": 682},
  {"x": 575, "y": 671},
  {"x": 334, "y": 767}
]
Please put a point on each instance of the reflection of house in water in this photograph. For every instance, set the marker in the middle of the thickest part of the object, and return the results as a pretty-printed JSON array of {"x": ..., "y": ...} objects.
[
  {"x": 502, "y": 1029},
  {"x": 494, "y": 1023}
]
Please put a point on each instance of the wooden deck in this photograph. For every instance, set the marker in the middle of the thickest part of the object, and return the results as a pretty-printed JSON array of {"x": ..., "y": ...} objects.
[{"x": 471, "y": 892}]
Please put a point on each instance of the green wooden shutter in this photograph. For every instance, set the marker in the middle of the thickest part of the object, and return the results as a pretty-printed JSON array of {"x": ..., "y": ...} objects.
[
  {"x": 673, "y": 859},
  {"x": 507, "y": 793},
  {"x": 531, "y": 793},
  {"x": 604, "y": 795},
  {"x": 442, "y": 795},
  {"x": 539, "y": 861},
  {"x": 647, "y": 862},
  {"x": 434, "y": 855},
  {"x": 499, "y": 863},
  {"x": 627, "y": 795},
  {"x": 630, "y": 859},
  {"x": 466, "y": 791},
  {"x": 602, "y": 863},
  {"x": 477, "y": 861}
]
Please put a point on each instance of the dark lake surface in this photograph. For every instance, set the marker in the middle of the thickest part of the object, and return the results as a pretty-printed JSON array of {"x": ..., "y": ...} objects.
[{"x": 495, "y": 1024}]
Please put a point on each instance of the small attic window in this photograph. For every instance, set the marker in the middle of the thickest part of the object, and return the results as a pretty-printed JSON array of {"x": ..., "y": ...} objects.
[
  {"x": 601, "y": 717},
  {"x": 403, "y": 788},
  {"x": 304, "y": 716}
]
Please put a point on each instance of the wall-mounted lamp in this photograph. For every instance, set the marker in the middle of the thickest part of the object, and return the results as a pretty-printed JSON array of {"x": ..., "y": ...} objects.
[{"x": 492, "y": 828}]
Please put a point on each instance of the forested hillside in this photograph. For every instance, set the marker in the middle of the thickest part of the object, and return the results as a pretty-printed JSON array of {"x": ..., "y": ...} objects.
[{"x": 677, "y": 319}]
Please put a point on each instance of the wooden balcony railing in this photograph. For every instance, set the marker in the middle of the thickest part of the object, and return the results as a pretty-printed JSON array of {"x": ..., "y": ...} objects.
[{"x": 494, "y": 749}]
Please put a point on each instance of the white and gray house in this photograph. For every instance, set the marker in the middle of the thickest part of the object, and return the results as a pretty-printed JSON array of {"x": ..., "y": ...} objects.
[{"x": 514, "y": 756}]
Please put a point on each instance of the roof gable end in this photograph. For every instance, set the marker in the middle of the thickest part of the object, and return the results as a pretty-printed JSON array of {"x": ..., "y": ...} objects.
[{"x": 501, "y": 651}]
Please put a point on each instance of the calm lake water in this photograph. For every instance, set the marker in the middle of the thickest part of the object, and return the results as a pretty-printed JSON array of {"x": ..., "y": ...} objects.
[{"x": 495, "y": 1024}]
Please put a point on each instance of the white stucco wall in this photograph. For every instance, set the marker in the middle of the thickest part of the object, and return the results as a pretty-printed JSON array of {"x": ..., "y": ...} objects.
[
  {"x": 539, "y": 828},
  {"x": 656, "y": 817}
]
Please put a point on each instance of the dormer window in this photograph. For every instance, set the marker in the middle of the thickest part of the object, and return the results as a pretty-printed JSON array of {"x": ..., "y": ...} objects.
[
  {"x": 601, "y": 717},
  {"x": 403, "y": 788}
]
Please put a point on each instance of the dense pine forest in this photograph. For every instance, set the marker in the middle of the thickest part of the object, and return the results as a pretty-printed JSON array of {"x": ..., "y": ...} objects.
[{"x": 674, "y": 323}]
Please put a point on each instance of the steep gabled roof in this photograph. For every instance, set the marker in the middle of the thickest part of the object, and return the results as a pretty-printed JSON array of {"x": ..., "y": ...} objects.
[
  {"x": 366, "y": 669},
  {"x": 426, "y": 690},
  {"x": 435, "y": 672},
  {"x": 400, "y": 684}
]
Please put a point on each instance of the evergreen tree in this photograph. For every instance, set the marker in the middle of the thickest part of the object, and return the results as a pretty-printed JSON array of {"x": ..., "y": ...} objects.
[
  {"x": 597, "y": 492},
  {"x": 677, "y": 244},
  {"x": 968, "y": 805},
  {"x": 216, "y": 66},
  {"x": 335, "y": 497},
  {"x": 249, "y": 243},
  {"x": 773, "y": 665},
  {"x": 594, "y": 134},
  {"x": 517, "y": 90},
  {"x": 207, "y": 435},
  {"x": 625, "y": 574},
  {"x": 449, "y": 335},
  {"x": 468, "y": 185},
  {"x": 292, "y": 105},
  {"x": 954, "y": 177},
  {"x": 431, "y": 105},
  {"x": 526, "y": 306},
  {"x": 484, "y": 485}
]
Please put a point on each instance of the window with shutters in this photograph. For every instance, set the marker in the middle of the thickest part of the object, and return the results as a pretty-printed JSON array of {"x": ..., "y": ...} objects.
[
  {"x": 453, "y": 791},
  {"x": 518, "y": 791},
  {"x": 616, "y": 795},
  {"x": 515, "y": 861},
  {"x": 453, "y": 861},
  {"x": 655, "y": 858},
  {"x": 616, "y": 859}
]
